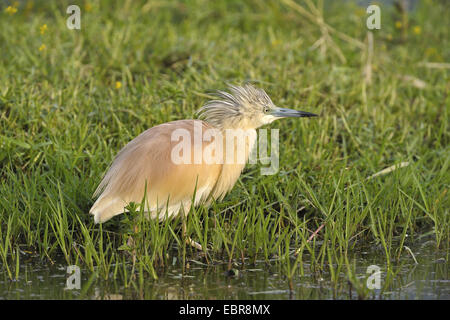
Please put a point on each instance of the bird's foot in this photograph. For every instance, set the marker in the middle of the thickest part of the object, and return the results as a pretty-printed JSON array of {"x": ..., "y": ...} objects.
[
  {"x": 194, "y": 244},
  {"x": 132, "y": 245}
]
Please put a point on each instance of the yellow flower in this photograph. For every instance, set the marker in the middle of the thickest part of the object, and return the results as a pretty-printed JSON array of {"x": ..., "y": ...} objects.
[
  {"x": 389, "y": 37},
  {"x": 42, "y": 47},
  {"x": 118, "y": 84},
  {"x": 11, "y": 10},
  {"x": 43, "y": 28},
  {"x": 417, "y": 30},
  {"x": 88, "y": 7},
  {"x": 398, "y": 24}
]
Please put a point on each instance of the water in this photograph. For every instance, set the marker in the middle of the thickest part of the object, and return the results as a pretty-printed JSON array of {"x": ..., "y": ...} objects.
[{"x": 428, "y": 279}]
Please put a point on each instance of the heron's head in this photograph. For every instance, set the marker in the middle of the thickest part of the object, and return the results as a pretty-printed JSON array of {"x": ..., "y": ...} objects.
[{"x": 245, "y": 107}]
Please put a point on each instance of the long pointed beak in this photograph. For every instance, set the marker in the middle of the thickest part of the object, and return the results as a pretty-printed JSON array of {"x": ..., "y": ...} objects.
[{"x": 285, "y": 113}]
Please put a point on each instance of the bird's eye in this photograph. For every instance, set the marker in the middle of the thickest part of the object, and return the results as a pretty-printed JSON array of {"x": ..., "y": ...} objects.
[{"x": 266, "y": 109}]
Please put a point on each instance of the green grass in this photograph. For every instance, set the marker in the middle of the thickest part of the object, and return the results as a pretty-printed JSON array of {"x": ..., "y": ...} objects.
[{"x": 62, "y": 120}]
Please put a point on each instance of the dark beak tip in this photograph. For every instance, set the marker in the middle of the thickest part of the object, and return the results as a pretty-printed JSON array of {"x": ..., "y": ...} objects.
[
  {"x": 309, "y": 114},
  {"x": 286, "y": 113}
]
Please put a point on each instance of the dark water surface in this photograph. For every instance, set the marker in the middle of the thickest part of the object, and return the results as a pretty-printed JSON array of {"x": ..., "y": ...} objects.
[{"x": 426, "y": 279}]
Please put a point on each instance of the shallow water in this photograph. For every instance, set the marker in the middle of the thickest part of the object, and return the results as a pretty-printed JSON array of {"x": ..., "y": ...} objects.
[{"x": 428, "y": 279}]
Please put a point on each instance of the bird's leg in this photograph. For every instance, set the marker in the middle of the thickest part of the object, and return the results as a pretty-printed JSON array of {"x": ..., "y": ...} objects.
[
  {"x": 131, "y": 243},
  {"x": 188, "y": 240},
  {"x": 311, "y": 237},
  {"x": 316, "y": 232}
]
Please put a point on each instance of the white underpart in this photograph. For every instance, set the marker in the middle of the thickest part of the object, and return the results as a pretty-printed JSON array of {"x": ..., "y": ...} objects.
[{"x": 268, "y": 119}]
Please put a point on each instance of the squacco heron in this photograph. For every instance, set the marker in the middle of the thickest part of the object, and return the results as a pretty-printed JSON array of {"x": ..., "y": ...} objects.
[{"x": 146, "y": 164}]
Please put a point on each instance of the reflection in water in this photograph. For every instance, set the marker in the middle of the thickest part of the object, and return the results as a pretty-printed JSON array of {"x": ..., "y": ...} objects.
[{"x": 426, "y": 280}]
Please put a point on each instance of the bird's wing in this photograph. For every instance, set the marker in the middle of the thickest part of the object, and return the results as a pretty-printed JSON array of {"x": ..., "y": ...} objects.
[{"x": 146, "y": 162}]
